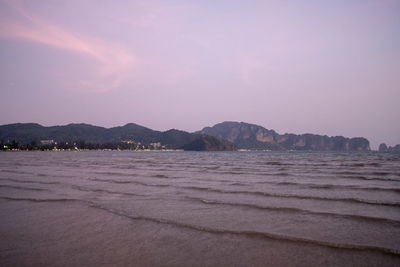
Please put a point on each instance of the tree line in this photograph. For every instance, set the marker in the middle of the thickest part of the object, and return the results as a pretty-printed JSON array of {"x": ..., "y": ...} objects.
[{"x": 77, "y": 145}]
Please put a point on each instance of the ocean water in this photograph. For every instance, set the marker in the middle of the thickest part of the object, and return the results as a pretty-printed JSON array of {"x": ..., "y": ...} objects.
[{"x": 109, "y": 208}]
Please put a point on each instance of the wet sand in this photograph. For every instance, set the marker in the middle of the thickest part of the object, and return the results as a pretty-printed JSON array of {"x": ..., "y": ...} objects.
[{"x": 72, "y": 233}]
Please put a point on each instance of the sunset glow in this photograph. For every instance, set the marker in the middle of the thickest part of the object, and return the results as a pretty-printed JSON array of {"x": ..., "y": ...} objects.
[{"x": 327, "y": 68}]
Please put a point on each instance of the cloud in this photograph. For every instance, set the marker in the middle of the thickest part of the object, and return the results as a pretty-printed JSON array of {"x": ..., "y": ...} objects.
[{"x": 113, "y": 61}]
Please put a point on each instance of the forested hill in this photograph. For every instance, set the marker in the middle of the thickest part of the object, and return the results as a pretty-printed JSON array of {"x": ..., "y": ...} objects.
[
  {"x": 241, "y": 135},
  {"x": 27, "y": 133}
]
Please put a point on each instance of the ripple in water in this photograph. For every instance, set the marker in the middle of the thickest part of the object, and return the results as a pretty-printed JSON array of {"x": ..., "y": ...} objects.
[{"x": 248, "y": 196}]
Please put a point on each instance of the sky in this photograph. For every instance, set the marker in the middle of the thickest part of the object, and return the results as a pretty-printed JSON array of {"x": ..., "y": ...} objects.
[{"x": 322, "y": 67}]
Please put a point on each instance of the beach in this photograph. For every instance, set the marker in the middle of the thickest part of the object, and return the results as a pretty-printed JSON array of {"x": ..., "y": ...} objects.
[{"x": 199, "y": 209}]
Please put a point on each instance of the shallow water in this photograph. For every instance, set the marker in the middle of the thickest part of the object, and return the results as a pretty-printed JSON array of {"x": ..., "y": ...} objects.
[{"x": 199, "y": 208}]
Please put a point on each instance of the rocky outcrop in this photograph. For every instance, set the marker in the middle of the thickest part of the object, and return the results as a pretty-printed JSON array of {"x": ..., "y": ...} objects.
[
  {"x": 384, "y": 148},
  {"x": 251, "y": 136},
  {"x": 209, "y": 143}
]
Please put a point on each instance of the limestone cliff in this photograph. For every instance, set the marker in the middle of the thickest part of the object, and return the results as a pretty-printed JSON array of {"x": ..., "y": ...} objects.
[{"x": 251, "y": 136}]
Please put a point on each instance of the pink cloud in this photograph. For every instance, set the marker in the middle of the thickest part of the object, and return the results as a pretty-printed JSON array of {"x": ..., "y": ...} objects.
[{"x": 114, "y": 60}]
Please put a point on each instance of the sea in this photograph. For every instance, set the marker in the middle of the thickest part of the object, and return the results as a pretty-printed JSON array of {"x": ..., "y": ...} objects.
[{"x": 126, "y": 208}]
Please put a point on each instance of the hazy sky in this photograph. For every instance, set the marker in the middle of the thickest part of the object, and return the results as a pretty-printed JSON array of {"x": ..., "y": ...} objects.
[{"x": 325, "y": 67}]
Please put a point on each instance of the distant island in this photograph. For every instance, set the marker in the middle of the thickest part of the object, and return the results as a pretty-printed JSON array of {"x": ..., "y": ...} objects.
[{"x": 225, "y": 136}]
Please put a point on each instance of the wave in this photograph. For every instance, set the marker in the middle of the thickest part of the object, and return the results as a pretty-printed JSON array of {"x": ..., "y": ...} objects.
[
  {"x": 248, "y": 173},
  {"x": 354, "y": 187},
  {"x": 116, "y": 173},
  {"x": 215, "y": 180},
  {"x": 332, "y": 186},
  {"x": 381, "y": 173},
  {"x": 353, "y": 165},
  {"x": 353, "y": 200},
  {"x": 260, "y": 193},
  {"x": 374, "y": 164},
  {"x": 353, "y": 176},
  {"x": 296, "y": 210},
  {"x": 73, "y": 165},
  {"x": 163, "y": 176},
  {"x": 359, "y": 175},
  {"x": 239, "y": 184},
  {"x": 227, "y": 172},
  {"x": 276, "y": 163},
  {"x": 23, "y": 188},
  {"x": 97, "y": 190},
  {"x": 111, "y": 181},
  {"x": 330, "y": 175},
  {"x": 127, "y": 182},
  {"x": 16, "y": 171},
  {"x": 144, "y": 161},
  {"x": 160, "y": 176},
  {"x": 252, "y": 234},
  {"x": 212, "y": 167},
  {"x": 129, "y": 167},
  {"x": 28, "y": 182},
  {"x": 40, "y": 199}
]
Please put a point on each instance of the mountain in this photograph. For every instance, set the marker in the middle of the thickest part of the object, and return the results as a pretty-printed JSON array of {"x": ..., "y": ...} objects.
[
  {"x": 177, "y": 137},
  {"x": 251, "y": 136},
  {"x": 209, "y": 143},
  {"x": 384, "y": 148},
  {"x": 241, "y": 135},
  {"x": 27, "y": 133}
]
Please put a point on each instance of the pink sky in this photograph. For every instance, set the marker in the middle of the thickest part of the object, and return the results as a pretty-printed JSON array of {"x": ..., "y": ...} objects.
[{"x": 325, "y": 67}]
